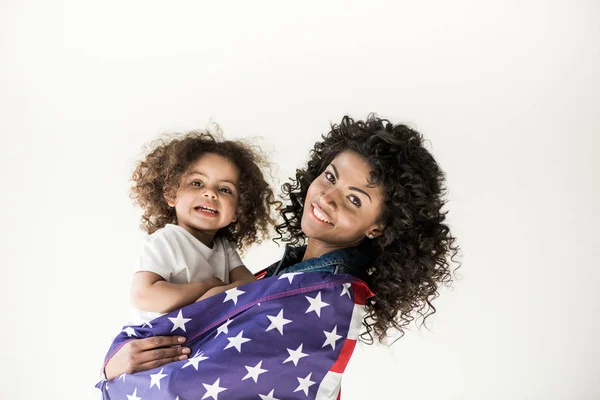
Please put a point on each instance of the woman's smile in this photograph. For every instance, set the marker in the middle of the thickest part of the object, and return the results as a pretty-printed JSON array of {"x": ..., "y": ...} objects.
[{"x": 318, "y": 213}]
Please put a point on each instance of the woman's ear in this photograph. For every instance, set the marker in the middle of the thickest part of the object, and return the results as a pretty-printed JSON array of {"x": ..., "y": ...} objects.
[{"x": 375, "y": 231}]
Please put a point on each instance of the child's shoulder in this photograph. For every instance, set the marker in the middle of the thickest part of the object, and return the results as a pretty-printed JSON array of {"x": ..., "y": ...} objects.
[
  {"x": 226, "y": 244},
  {"x": 167, "y": 232}
]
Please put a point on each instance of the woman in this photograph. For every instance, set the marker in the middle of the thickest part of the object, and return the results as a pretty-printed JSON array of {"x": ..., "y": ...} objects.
[{"x": 369, "y": 203}]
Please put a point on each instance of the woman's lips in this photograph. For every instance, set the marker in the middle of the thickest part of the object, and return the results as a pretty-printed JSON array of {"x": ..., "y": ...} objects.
[{"x": 320, "y": 215}]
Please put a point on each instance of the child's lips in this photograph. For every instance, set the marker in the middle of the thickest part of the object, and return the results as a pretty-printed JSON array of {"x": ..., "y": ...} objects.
[{"x": 207, "y": 210}]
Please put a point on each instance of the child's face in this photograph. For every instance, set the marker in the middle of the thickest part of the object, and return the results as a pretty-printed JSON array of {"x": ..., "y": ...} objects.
[
  {"x": 341, "y": 207},
  {"x": 207, "y": 198}
]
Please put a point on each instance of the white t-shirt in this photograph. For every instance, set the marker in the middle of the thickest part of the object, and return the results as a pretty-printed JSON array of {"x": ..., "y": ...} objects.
[{"x": 177, "y": 256}]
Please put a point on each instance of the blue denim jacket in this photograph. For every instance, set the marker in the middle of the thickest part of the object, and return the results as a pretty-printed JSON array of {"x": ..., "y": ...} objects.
[{"x": 352, "y": 260}]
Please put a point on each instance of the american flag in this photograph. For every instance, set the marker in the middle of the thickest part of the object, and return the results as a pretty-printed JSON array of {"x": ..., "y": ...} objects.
[{"x": 284, "y": 337}]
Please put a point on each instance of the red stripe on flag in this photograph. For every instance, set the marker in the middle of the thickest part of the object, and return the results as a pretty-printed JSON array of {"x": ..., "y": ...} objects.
[
  {"x": 361, "y": 292},
  {"x": 260, "y": 274},
  {"x": 344, "y": 357}
]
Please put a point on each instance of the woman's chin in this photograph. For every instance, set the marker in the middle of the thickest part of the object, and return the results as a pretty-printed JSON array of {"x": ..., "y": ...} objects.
[{"x": 314, "y": 231}]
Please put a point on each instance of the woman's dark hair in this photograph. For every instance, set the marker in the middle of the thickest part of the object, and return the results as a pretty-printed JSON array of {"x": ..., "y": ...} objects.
[
  {"x": 159, "y": 174},
  {"x": 413, "y": 256}
]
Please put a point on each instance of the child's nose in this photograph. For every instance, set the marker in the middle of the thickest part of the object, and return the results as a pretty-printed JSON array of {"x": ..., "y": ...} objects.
[{"x": 210, "y": 193}]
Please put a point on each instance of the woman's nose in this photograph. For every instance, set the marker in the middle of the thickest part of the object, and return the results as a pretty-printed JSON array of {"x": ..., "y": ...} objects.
[{"x": 330, "y": 198}]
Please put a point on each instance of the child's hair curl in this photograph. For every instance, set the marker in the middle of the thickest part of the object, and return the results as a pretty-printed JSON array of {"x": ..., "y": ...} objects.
[
  {"x": 412, "y": 257},
  {"x": 159, "y": 175}
]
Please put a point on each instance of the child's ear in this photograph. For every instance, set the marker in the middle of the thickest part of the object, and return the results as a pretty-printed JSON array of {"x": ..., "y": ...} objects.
[{"x": 170, "y": 200}]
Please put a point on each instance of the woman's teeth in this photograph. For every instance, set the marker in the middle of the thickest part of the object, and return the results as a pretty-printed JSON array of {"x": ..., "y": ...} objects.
[{"x": 321, "y": 216}]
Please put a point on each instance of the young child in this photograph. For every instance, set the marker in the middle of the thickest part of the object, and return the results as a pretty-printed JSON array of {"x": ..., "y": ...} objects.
[{"x": 202, "y": 198}]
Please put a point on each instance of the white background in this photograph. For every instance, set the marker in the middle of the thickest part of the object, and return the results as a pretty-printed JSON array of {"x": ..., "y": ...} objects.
[{"x": 507, "y": 93}]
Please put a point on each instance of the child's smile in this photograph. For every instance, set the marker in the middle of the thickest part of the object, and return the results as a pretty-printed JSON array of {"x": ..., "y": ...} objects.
[{"x": 208, "y": 211}]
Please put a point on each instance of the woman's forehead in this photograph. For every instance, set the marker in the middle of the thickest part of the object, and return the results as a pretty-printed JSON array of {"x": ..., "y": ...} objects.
[
  {"x": 352, "y": 164},
  {"x": 355, "y": 172}
]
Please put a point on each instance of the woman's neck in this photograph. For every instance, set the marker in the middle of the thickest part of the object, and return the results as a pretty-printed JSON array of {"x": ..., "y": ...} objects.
[{"x": 315, "y": 249}]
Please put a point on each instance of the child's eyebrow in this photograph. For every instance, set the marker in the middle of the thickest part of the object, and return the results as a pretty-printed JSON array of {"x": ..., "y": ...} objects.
[{"x": 222, "y": 180}]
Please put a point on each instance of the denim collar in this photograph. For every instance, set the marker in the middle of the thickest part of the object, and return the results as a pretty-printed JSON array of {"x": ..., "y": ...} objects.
[{"x": 356, "y": 259}]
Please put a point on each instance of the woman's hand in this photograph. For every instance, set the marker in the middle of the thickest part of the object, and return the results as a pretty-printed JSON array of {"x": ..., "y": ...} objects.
[{"x": 144, "y": 354}]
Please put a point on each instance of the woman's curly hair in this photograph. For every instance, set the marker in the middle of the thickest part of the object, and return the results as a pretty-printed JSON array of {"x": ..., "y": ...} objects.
[
  {"x": 413, "y": 256},
  {"x": 159, "y": 174}
]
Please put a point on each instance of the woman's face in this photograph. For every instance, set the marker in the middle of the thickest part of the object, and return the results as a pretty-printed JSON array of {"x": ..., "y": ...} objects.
[{"x": 341, "y": 207}]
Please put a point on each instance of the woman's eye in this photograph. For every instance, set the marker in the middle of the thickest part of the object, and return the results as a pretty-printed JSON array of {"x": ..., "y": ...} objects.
[
  {"x": 197, "y": 184},
  {"x": 354, "y": 200},
  {"x": 329, "y": 176},
  {"x": 226, "y": 190}
]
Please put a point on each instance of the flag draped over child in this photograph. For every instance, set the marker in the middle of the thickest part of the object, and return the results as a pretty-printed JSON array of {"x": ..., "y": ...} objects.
[{"x": 284, "y": 337}]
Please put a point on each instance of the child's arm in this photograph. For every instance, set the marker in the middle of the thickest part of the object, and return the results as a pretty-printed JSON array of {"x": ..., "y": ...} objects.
[
  {"x": 150, "y": 292},
  {"x": 238, "y": 276},
  {"x": 241, "y": 275}
]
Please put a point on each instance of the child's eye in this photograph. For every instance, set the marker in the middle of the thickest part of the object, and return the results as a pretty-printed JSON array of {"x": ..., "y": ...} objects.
[
  {"x": 226, "y": 190},
  {"x": 329, "y": 176},
  {"x": 197, "y": 184},
  {"x": 354, "y": 200}
]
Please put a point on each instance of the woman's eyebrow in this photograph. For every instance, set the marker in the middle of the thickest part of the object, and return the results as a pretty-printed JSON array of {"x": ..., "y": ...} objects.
[
  {"x": 337, "y": 176},
  {"x": 361, "y": 191},
  {"x": 335, "y": 171}
]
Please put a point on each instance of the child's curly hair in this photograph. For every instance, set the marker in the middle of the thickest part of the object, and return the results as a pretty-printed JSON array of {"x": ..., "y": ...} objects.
[
  {"x": 159, "y": 174},
  {"x": 412, "y": 257}
]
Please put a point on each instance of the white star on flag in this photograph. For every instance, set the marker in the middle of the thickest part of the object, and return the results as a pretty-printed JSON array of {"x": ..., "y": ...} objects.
[
  {"x": 295, "y": 355},
  {"x": 122, "y": 376},
  {"x": 233, "y": 294},
  {"x": 147, "y": 323},
  {"x": 195, "y": 360},
  {"x": 289, "y": 276},
  {"x": 223, "y": 328},
  {"x": 133, "y": 396},
  {"x": 155, "y": 378},
  {"x": 237, "y": 342},
  {"x": 213, "y": 390},
  {"x": 304, "y": 384},
  {"x": 268, "y": 396},
  {"x": 316, "y": 304},
  {"x": 254, "y": 372},
  {"x": 278, "y": 322},
  {"x": 332, "y": 337},
  {"x": 345, "y": 287},
  {"x": 179, "y": 322},
  {"x": 129, "y": 331}
]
